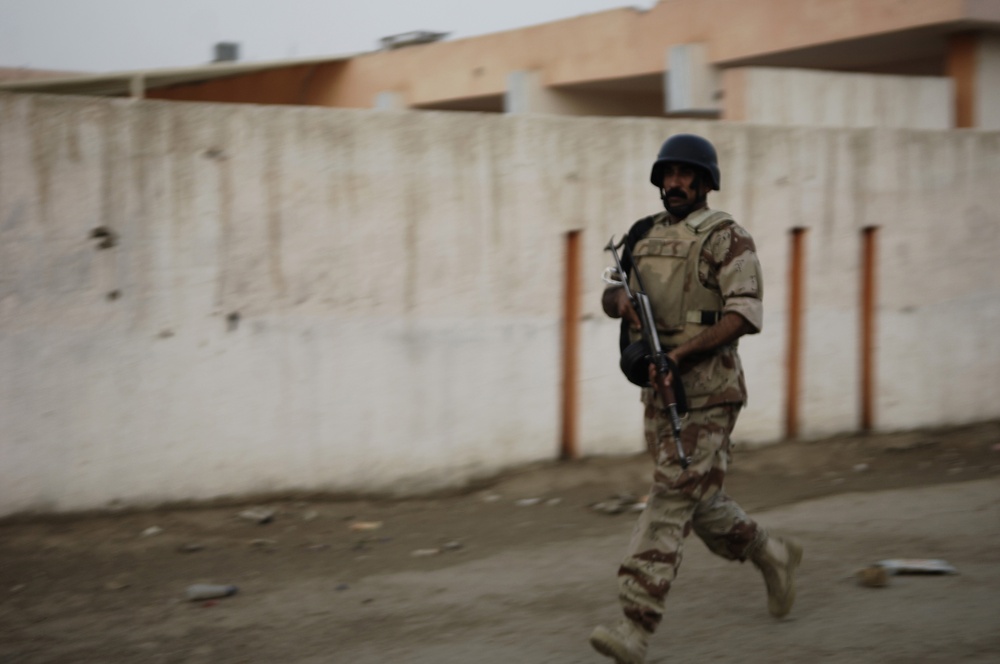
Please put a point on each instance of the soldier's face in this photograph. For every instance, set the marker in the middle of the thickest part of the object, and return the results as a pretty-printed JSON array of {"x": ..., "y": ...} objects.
[{"x": 681, "y": 184}]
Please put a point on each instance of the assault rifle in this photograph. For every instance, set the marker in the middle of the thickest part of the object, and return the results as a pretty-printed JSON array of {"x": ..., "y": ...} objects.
[{"x": 637, "y": 357}]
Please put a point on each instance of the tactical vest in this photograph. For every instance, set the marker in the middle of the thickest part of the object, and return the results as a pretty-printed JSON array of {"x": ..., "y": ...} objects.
[{"x": 666, "y": 259}]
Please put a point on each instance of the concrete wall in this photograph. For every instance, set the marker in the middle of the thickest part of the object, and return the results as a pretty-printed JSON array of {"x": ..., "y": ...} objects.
[
  {"x": 987, "y": 109},
  {"x": 832, "y": 99},
  {"x": 305, "y": 298}
]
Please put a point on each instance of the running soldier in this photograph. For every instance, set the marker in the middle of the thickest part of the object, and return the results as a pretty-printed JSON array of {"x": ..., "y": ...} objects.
[{"x": 701, "y": 273}]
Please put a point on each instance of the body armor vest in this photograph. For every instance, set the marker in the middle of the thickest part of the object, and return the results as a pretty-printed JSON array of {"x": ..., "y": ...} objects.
[{"x": 666, "y": 259}]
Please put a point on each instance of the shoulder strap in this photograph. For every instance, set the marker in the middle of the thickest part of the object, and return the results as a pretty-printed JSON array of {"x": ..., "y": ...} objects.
[{"x": 637, "y": 232}]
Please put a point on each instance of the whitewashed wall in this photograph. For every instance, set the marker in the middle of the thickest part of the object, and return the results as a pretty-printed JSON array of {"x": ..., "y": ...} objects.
[
  {"x": 397, "y": 279},
  {"x": 841, "y": 99}
]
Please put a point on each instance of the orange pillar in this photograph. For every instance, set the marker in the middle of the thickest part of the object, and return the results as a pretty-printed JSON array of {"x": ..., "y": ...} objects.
[
  {"x": 571, "y": 341},
  {"x": 962, "y": 64},
  {"x": 869, "y": 294},
  {"x": 793, "y": 363}
]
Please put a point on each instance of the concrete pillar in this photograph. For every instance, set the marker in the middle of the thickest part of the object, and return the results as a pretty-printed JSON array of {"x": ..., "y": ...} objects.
[
  {"x": 988, "y": 83},
  {"x": 974, "y": 67},
  {"x": 527, "y": 93},
  {"x": 389, "y": 101},
  {"x": 692, "y": 83},
  {"x": 137, "y": 87}
]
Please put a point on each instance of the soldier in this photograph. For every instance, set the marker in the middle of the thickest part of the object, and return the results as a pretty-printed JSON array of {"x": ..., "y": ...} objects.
[{"x": 701, "y": 272}]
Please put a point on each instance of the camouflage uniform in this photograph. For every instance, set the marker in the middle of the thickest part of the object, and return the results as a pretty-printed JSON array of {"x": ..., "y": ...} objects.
[{"x": 682, "y": 500}]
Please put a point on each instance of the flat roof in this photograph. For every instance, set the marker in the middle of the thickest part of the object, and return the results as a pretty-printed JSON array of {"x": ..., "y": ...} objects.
[{"x": 120, "y": 83}]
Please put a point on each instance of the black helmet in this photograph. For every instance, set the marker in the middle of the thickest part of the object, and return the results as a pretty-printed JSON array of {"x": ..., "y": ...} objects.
[{"x": 687, "y": 149}]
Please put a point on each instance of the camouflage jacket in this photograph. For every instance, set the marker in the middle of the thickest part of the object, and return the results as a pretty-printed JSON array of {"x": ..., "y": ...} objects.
[{"x": 728, "y": 266}]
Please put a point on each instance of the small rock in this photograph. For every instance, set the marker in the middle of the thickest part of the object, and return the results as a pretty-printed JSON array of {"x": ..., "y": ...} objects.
[
  {"x": 454, "y": 545},
  {"x": 311, "y": 515},
  {"x": 364, "y": 526},
  {"x": 860, "y": 467},
  {"x": 190, "y": 547},
  {"x": 873, "y": 577},
  {"x": 209, "y": 591},
  {"x": 116, "y": 585},
  {"x": 342, "y": 586},
  {"x": 527, "y": 502},
  {"x": 151, "y": 531},
  {"x": 552, "y": 502},
  {"x": 263, "y": 543},
  {"x": 259, "y": 515},
  {"x": 492, "y": 497},
  {"x": 423, "y": 553},
  {"x": 318, "y": 547}
]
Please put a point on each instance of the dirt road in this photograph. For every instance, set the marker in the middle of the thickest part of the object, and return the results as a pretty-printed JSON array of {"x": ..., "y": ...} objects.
[{"x": 520, "y": 569}]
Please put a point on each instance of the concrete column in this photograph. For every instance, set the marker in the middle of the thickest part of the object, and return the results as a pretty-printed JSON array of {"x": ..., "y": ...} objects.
[
  {"x": 692, "y": 83},
  {"x": 389, "y": 101},
  {"x": 137, "y": 87},
  {"x": 526, "y": 93},
  {"x": 988, "y": 83},
  {"x": 974, "y": 67}
]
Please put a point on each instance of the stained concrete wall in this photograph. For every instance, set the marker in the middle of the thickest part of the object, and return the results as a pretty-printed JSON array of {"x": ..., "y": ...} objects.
[
  {"x": 315, "y": 299},
  {"x": 766, "y": 95}
]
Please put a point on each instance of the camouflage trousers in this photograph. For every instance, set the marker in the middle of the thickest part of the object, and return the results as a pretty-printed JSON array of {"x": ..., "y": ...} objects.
[{"x": 682, "y": 500}]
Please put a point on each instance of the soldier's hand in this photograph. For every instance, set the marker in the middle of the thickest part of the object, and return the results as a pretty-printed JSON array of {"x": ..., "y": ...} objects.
[
  {"x": 660, "y": 382},
  {"x": 625, "y": 309}
]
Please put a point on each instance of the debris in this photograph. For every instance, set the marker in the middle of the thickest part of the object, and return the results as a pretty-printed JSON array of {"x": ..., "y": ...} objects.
[
  {"x": 209, "y": 591},
  {"x": 917, "y": 566},
  {"x": 860, "y": 467},
  {"x": 364, "y": 526},
  {"x": 151, "y": 531},
  {"x": 527, "y": 502},
  {"x": 873, "y": 577},
  {"x": 423, "y": 553},
  {"x": 552, "y": 502},
  {"x": 263, "y": 543},
  {"x": 619, "y": 503},
  {"x": 259, "y": 515},
  {"x": 190, "y": 547},
  {"x": 454, "y": 545},
  {"x": 492, "y": 497}
]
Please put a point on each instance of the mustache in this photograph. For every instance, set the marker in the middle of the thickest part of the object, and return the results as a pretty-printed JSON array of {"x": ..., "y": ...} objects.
[{"x": 674, "y": 192}]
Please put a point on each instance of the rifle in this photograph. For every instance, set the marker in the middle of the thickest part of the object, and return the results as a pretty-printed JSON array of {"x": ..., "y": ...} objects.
[{"x": 649, "y": 350}]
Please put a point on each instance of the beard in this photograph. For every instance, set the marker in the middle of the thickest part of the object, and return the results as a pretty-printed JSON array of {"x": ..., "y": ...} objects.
[{"x": 680, "y": 210}]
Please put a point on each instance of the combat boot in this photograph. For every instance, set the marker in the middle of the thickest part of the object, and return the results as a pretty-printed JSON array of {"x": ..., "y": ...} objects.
[
  {"x": 625, "y": 642},
  {"x": 777, "y": 560}
]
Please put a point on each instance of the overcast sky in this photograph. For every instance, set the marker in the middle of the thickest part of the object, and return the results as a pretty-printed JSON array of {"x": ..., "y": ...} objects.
[{"x": 114, "y": 35}]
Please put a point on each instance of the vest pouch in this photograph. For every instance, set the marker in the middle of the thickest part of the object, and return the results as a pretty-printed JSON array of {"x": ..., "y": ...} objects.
[{"x": 662, "y": 263}]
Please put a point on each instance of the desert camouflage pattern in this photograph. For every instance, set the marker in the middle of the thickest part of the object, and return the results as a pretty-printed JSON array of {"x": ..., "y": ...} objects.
[
  {"x": 682, "y": 501},
  {"x": 707, "y": 262}
]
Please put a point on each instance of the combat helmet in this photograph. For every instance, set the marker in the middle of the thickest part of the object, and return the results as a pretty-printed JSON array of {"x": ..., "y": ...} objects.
[{"x": 687, "y": 149}]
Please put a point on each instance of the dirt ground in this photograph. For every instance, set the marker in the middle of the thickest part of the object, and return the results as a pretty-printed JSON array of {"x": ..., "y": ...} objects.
[{"x": 521, "y": 568}]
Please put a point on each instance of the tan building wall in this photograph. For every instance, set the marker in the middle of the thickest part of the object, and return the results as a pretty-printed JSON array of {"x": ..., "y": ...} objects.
[{"x": 315, "y": 299}]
